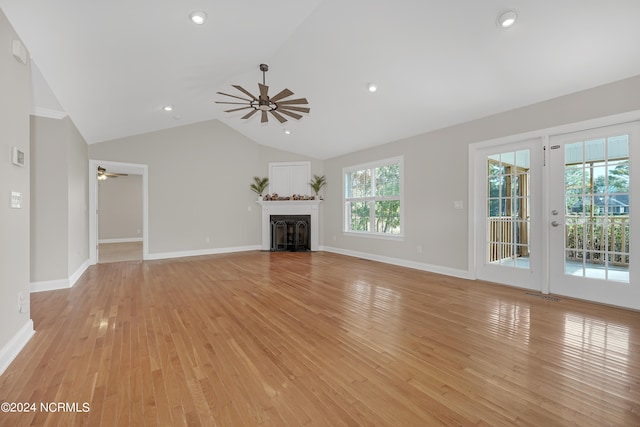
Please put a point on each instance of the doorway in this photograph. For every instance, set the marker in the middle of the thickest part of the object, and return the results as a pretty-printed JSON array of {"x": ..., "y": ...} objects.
[
  {"x": 121, "y": 168},
  {"x": 508, "y": 190},
  {"x": 119, "y": 217},
  {"x": 593, "y": 210},
  {"x": 554, "y": 213}
]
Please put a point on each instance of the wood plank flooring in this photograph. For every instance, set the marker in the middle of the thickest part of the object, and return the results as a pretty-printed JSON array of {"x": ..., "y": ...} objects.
[
  {"x": 318, "y": 339},
  {"x": 117, "y": 252}
]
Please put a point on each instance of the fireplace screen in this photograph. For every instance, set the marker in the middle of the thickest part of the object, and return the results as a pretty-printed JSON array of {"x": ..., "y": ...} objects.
[{"x": 290, "y": 233}]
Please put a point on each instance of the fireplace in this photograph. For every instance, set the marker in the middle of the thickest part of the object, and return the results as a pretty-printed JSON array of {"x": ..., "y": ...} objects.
[
  {"x": 294, "y": 209},
  {"x": 290, "y": 233}
]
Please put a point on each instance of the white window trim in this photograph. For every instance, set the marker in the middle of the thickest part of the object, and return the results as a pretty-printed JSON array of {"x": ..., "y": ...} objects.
[{"x": 371, "y": 165}]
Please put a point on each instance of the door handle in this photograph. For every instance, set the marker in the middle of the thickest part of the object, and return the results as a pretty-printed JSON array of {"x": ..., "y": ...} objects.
[{"x": 555, "y": 223}]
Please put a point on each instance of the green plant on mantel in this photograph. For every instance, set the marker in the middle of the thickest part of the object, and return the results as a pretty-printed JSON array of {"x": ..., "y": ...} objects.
[
  {"x": 259, "y": 185},
  {"x": 317, "y": 183}
]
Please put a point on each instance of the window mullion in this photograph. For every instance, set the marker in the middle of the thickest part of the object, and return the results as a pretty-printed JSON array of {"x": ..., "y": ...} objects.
[
  {"x": 372, "y": 202},
  {"x": 372, "y": 216}
]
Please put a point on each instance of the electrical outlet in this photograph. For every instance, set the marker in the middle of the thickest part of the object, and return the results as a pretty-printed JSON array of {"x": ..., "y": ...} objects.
[
  {"x": 21, "y": 302},
  {"x": 419, "y": 249},
  {"x": 207, "y": 239}
]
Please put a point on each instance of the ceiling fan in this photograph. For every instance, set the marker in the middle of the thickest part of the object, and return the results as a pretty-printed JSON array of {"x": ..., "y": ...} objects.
[
  {"x": 277, "y": 105},
  {"x": 103, "y": 174}
]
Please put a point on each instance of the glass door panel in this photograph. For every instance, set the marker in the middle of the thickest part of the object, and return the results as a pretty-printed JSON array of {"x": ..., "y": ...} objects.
[
  {"x": 590, "y": 226},
  {"x": 508, "y": 181}
]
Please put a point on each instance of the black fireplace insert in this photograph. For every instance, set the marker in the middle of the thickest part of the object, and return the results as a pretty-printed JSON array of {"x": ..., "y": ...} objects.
[{"x": 290, "y": 233}]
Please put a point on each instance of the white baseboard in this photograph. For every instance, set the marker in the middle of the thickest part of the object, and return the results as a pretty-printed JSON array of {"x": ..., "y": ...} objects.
[
  {"x": 49, "y": 285},
  {"x": 463, "y": 274},
  {"x": 53, "y": 285},
  {"x": 79, "y": 272},
  {"x": 15, "y": 345},
  {"x": 123, "y": 240},
  {"x": 199, "y": 252}
]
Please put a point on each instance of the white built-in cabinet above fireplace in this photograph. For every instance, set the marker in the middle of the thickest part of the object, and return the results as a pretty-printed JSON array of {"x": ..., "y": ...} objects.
[
  {"x": 289, "y": 178},
  {"x": 289, "y": 207}
]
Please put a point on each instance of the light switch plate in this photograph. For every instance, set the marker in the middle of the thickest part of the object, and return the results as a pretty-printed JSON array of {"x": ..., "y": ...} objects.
[
  {"x": 17, "y": 156},
  {"x": 16, "y": 200}
]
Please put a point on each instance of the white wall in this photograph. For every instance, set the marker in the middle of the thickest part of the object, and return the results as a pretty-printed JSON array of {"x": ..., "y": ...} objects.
[
  {"x": 199, "y": 178},
  {"x": 15, "y": 327},
  {"x": 78, "y": 201},
  {"x": 49, "y": 223},
  {"x": 59, "y": 214},
  {"x": 120, "y": 208},
  {"x": 436, "y": 175}
]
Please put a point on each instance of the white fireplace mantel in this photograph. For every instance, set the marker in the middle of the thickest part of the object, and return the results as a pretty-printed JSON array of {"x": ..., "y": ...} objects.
[{"x": 289, "y": 207}]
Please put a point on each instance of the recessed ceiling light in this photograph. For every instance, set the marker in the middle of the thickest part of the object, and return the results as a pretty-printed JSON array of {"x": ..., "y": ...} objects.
[
  {"x": 507, "y": 19},
  {"x": 287, "y": 132},
  {"x": 168, "y": 108},
  {"x": 198, "y": 17},
  {"x": 372, "y": 87}
]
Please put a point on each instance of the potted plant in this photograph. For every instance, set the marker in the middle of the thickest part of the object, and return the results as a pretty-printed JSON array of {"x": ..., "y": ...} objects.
[
  {"x": 259, "y": 185},
  {"x": 317, "y": 183}
]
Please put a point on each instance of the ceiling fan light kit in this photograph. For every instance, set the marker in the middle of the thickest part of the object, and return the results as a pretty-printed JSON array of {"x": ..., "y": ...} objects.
[{"x": 277, "y": 105}]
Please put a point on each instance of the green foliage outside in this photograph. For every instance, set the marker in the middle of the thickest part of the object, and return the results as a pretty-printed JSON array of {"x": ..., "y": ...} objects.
[{"x": 381, "y": 187}]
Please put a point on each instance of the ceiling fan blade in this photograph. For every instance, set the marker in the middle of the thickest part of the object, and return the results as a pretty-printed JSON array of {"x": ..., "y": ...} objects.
[
  {"x": 290, "y": 114},
  {"x": 264, "y": 90},
  {"x": 237, "y": 109},
  {"x": 295, "y": 101},
  {"x": 233, "y": 96},
  {"x": 291, "y": 107},
  {"x": 278, "y": 116},
  {"x": 246, "y": 92},
  {"x": 282, "y": 94},
  {"x": 246, "y": 116},
  {"x": 264, "y": 118},
  {"x": 235, "y": 103}
]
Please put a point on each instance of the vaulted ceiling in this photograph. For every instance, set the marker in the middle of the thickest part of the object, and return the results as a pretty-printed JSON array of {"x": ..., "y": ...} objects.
[{"x": 113, "y": 65}]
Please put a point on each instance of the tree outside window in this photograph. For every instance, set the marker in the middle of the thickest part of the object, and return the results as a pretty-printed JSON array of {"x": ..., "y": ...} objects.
[{"x": 373, "y": 198}]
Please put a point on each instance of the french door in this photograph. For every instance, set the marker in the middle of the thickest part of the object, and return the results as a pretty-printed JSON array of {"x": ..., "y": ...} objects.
[
  {"x": 508, "y": 193},
  {"x": 594, "y": 196},
  {"x": 576, "y": 238}
]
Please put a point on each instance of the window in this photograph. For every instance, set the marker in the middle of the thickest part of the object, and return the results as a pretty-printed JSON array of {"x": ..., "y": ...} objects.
[{"x": 373, "y": 198}]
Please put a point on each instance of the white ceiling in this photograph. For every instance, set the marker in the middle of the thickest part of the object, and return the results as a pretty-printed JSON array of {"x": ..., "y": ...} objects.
[{"x": 112, "y": 65}]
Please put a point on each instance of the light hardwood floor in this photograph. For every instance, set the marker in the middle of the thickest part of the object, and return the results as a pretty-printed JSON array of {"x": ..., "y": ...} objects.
[
  {"x": 116, "y": 252},
  {"x": 318, "y": 339}
]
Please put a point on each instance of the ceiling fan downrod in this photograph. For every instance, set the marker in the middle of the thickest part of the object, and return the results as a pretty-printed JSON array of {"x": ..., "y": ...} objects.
[
  {"x": 264, "y": 68},
  {"x": 278, "y": 105}
]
